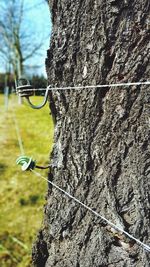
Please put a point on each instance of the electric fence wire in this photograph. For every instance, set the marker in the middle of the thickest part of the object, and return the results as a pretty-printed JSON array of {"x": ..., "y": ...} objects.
[
  {"x": 49, "y": 88},
  {"x": 146, "y": 247}
]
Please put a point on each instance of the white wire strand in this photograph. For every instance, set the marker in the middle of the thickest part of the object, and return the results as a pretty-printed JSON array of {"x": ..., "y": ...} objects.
[
  {"x": 86, "y": 86},
  {"x": 146, "y": 247}
]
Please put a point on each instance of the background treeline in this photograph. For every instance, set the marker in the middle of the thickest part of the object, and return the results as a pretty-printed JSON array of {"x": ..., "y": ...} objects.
[{"x": 7, "y": 79}]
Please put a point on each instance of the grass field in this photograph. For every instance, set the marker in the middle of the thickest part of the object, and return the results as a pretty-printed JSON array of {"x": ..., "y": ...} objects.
[{"x": 21, "y": 193}]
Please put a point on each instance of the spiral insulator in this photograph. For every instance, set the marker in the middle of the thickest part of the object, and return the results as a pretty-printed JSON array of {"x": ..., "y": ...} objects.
[
  {"x": 27, "y": 163},
  {"x": 25, "y": 89}
]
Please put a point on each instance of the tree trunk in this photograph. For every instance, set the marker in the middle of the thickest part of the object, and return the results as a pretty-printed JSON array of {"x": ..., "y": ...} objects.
[{"x": 100, "y": 152}]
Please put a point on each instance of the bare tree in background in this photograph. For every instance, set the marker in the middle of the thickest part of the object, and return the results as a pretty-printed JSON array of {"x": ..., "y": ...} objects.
[{"x": 18, "y": 42}]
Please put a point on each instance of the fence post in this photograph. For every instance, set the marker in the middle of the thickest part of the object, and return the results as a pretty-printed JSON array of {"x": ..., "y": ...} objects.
[{"x": 6, "y": 95}]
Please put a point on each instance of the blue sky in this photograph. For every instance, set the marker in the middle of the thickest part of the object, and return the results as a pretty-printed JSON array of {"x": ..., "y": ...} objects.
[
  {"x": 39, "y": 16},
  {"x": 37, "y": 23}
]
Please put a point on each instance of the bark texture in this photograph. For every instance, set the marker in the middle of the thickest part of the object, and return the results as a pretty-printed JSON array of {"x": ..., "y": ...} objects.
[{"x": 101, "y": 143}]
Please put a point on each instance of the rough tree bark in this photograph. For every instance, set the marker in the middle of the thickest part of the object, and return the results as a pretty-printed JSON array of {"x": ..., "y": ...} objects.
[{"x": 101, "y": 145}]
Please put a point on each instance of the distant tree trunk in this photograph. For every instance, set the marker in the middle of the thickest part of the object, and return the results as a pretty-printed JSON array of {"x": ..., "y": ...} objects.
[{"x": 101, "y": 140}]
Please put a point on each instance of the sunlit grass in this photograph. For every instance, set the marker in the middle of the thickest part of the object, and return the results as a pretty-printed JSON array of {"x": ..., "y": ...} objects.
[{"x": 21, "y": 194}]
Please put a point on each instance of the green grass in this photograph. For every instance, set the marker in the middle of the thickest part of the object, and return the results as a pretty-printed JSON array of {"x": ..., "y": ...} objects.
[{"x": 22, "y": 193}]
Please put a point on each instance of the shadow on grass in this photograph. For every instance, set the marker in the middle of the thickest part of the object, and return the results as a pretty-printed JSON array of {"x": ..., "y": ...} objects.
[
  {"x": 33, "y": 199},
  {"x": 3, "y": 168}
]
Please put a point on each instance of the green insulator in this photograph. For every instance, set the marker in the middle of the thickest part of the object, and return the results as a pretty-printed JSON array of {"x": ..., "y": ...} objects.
[{"x": 27, "y": 163}]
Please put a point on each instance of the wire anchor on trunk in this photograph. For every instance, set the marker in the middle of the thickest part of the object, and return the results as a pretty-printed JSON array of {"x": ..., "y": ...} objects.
[
  {"x": 28, "y": 164},
  {"x": 25, "y": 89}
]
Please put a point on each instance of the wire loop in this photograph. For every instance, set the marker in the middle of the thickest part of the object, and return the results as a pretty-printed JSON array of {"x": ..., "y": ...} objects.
[{"x": 25, "y": 89}]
